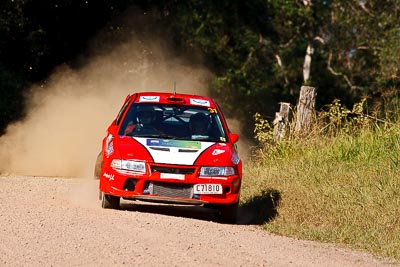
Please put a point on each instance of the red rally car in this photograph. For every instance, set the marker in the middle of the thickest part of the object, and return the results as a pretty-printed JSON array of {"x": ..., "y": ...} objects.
[{"x": 170, "y": 148}]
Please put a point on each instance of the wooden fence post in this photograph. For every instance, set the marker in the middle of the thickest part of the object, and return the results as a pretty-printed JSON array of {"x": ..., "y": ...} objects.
[
  {"x": 281, "y": 122},
  {"x": 305, "y": 109}
]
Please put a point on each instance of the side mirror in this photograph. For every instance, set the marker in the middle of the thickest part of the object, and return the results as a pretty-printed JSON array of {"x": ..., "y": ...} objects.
[{"x": 234, "y": 137}]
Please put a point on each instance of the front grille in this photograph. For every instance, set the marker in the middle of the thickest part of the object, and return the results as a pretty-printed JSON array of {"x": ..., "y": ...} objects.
[
  {"x": 172, "y": 170},
  {"x": 170, "y": 189}
]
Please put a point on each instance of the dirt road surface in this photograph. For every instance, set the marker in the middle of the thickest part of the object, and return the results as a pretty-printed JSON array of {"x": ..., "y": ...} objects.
[{"x": 59, "y": 222}]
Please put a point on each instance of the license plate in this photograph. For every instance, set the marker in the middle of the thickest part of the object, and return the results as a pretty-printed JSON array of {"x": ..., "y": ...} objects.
[{"x": 207, "y": 189}]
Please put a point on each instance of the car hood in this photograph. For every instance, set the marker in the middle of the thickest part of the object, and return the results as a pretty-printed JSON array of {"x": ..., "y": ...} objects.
[{"x": 170, "y": 151}]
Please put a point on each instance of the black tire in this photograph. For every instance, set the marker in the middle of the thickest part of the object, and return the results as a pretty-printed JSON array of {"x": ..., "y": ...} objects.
[
  {"x": 228, "y": 213},
  {"x": 109, "y": 201},
  {"x": 97, "y": 166}
]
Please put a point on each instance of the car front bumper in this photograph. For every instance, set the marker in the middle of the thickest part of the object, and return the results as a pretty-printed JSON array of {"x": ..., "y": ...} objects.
[{"x": 152, "y": 187}]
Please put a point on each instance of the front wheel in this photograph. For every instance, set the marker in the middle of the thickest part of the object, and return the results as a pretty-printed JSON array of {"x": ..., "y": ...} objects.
[
  {"x": 228, "y": 213},
  {"x": 109, "y": 201}
]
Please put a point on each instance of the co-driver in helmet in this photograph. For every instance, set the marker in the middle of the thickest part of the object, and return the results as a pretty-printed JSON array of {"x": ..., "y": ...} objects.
[{"x": 199, "y": 124}]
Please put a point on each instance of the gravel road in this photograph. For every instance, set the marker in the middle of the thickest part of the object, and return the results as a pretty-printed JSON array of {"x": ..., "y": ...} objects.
[{"x": 59, "y": 222}]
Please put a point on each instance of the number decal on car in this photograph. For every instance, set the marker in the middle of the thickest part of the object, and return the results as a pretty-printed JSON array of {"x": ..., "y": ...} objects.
[{"x": 213, "y": 110}]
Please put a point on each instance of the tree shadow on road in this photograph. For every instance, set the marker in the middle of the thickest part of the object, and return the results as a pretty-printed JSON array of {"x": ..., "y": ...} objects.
[{"x": 260, "y": 209}]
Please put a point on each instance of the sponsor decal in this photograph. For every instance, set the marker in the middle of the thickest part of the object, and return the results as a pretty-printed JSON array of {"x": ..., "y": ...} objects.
[
  {"x": 109, "y": 145},
  {"x": 174, "y": 143},
  {"x": 217, "y": 152},
  {"x": 109, "y": 176},
  {"x": 149, "y": 99},
  {"x": 110, "y": 149},
  {"x": 183, "y": 152},
  {"x": 235, "y": 159},
  {"x": 200, "y": 102}
]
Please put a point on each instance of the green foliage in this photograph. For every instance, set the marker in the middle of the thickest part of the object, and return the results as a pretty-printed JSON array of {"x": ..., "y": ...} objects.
[
  {"x": 231, "y": 33},
  {"x": 340, "y": 185},
  {"x": 368, "y": 36},
  {"x": 255, "y": 48},
  {"x": 338, "y": 119},
  {"x": 342, "y": 190},
  {"x": 263, "y": 131}
]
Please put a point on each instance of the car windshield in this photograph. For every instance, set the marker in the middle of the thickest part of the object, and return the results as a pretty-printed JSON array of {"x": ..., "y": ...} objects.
[{"x": 173, "y": 122}]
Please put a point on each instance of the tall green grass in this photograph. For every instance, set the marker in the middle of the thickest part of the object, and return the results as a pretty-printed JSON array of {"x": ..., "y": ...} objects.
[{"x": 339, "y": 186}]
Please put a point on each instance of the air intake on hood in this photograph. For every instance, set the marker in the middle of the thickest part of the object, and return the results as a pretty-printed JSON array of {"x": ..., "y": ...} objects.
[
  {"x": 160, "y": 148},
  {"x": 188, "y": 150}
]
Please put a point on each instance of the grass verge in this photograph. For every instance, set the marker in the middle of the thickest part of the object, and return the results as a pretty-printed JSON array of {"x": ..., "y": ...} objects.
[{"x": 342, "y": 189}]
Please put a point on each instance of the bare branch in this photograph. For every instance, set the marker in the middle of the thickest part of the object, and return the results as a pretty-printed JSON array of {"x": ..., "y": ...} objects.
[
  {"x": 248, "y": 59},
  {"x": 288, "y": 43},
  {"x": 320, "y": 39},
  {"x": 340, "y": 74},
  {"x": 307, "y": 2},
  {"x": 261, "y": 40},
  {"x": 279, "y": 61},
  {"x": 363, "y": 7}
]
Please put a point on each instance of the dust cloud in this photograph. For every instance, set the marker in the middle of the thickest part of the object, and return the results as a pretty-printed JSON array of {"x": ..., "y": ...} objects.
[{"x": 68, "y": 115}]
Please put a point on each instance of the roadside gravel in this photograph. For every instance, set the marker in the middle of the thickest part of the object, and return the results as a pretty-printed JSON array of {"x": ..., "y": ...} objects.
[{"x": 59, "y": 222}]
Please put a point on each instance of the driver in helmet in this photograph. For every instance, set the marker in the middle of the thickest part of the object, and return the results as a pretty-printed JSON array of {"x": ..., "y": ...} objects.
[
  {"x": 144, "y": 122},
  {"x": 199, "y": 124},
  {"x": 145, "y": 116}
]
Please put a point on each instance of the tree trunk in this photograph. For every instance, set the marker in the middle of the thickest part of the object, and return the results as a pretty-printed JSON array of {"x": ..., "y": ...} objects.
[
  {"x": 305, "y": 110},
  {"x": 281, "y": 122}
]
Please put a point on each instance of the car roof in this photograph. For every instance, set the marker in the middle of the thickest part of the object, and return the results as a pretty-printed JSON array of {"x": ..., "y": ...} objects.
[{"x": 174, "y": 98}]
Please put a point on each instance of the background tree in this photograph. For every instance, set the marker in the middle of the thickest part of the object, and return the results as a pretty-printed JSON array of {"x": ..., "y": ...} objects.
[
  {"x": 257, "y": 49},
  {"x": 36, "y": 36},
  {"x": 365, "y": 57}
]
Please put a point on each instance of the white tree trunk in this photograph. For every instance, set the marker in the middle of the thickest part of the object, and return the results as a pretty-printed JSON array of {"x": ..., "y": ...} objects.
[{"x": 307, "y": 62}]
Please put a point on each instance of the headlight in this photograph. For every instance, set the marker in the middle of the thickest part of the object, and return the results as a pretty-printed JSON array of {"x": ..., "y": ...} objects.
[
  {"x": 217, "y": 171},
  {"x": 129, "y": 165}
]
